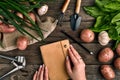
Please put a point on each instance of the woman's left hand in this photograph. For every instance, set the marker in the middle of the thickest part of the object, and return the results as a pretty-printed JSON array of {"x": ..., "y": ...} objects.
[{"x": 41, "y": 74}]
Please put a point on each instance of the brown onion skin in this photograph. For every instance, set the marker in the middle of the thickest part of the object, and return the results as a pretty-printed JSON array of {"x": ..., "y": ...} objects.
[
  {"x": 105, "y": 55},
  {"x": 107, "y": 72},
  {"x": 22, "y": 42},
  {"x": 87, "y": 35},
  {"x": 117, "y": 63},
  {"x": 6, "y": 29},
  {"x": 118, "y": 49}
]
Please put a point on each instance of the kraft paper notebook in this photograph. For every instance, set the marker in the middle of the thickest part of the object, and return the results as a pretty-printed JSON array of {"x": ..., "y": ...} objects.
[{"x": 54, "y": 56}]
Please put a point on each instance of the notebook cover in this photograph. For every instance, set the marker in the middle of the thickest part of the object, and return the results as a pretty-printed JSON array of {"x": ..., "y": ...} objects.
[{"x": 54, "y": 56}]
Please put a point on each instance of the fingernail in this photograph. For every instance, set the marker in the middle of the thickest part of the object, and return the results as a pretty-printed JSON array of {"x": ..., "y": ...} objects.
[
  {"x": 40, "y": 66},
  {"x": 36, "y": 72},
  {"x": 43, "y": 65},
  {"x": 67, "y": 57}
]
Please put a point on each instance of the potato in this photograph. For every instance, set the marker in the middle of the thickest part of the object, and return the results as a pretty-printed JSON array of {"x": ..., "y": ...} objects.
[
  {"x": 117, "y": 63},
  {"x": 87, "y": 35},
  {"x": 105, "y": 55},
  {"x": 6, "y": 29},
  {"x": 22, "y": 42},
  {"x": 107, "y": 72},
  {"x": 118, "y": 49}
]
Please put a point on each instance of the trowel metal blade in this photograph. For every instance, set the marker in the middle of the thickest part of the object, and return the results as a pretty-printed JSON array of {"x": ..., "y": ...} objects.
[
  {"x": 78, "y": 21},
  {"x": 75, "y": 21}
]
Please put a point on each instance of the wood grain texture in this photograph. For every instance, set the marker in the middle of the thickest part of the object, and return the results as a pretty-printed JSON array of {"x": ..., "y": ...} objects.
[{"x": 32, "y": 53}]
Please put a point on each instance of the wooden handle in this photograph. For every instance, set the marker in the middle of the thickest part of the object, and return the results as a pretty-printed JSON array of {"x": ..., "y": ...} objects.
[
  {"x": 78, "y": 4},
  {"x": 64, "y": 8}
]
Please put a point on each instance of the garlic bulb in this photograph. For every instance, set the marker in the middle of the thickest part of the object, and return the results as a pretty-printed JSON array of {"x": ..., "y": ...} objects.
[
  {"x": 42, "y": 10},
  {"x": 103, "y": 38}
]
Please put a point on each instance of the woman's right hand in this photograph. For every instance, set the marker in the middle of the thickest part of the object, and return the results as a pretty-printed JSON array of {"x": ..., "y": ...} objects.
[{"x": 77, "y": 72}]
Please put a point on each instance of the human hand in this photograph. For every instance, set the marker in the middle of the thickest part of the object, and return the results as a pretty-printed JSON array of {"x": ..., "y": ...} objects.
[
  {"x": 77, "y": 72},
  {"x": 41, "y": 74}
]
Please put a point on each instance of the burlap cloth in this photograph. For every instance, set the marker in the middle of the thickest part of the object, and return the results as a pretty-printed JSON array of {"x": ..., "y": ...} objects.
[{"x": 9, "y": 39}]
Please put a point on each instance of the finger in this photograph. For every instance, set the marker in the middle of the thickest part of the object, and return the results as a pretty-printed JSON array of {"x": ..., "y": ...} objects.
[
  {"x": 72, "y": 57},
  {"x": 38, "y": 73},
  {"x": 46, "y": 73},
  {"x": 42, "y": 72},
  {"x": 68, "y": 66},
  {"x": 75, "y": 53},
  {"x": 35, "y": 76}
]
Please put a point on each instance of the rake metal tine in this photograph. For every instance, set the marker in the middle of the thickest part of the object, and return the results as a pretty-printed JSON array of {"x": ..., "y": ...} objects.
[
  {"x": 15, "y": 69},
  {"x": 9, "y": 58},
  {"x": 60, "y": 19}
]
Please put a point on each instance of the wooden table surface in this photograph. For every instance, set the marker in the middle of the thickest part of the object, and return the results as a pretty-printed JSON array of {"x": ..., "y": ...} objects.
[{"x": 32, "y": 53}]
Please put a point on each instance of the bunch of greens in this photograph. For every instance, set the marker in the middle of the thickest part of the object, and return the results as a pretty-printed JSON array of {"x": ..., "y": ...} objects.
[
  {"x": 7, "y": 8},
  {"x": 107, "y": 15}
]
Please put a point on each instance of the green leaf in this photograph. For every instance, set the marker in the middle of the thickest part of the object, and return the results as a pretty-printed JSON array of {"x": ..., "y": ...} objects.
[
  {"x": 102, "y": 3},
  {"x": 115, "y": 18},
  {"x": 98, "y": 21},
  {"x": 113, "y": 6},
  {"x": 94, "y": 11},
  {"x": 113, "y": 34},
  {"x": 101, "y": 28},
  {"x": 118, "y": 0},
  {"x": 116, "y": 44},
  {"x": 117, "y": 23},
  {"x": 118, "y": 29}
]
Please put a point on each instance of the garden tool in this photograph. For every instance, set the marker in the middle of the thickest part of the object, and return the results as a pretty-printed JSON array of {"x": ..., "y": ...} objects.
[
  {"x": 64, "y": 8},
  {"x": 75, "y": 18},
  {"x": 19, "y": 62}
]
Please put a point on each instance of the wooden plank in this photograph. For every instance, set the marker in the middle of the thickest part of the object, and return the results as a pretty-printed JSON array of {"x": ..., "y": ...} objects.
[
  {"x": 55, "y": 9},
  {"x": 34, "y": 58},
  {"x": 33, "y": 55},
  {"x": 92, "y": 72}
]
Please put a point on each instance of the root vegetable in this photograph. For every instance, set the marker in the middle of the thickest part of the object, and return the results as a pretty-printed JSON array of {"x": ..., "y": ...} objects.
[
  {"x": 117, "y": 63},
  {"x": 107, "y": 72},
  {"x": 87, "y": 35},
  {"x": 118, "y": 49},
  {"x": 6, "y": 29},
  {"x": 19, "y": 15},
  {"x": 103, "y": 38},
  {"x": 106, "y": 55},
  {"x": 43, "y": 10},
  {"x": 22, "y": 42},
  {"x": 32, "y": 16}
]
